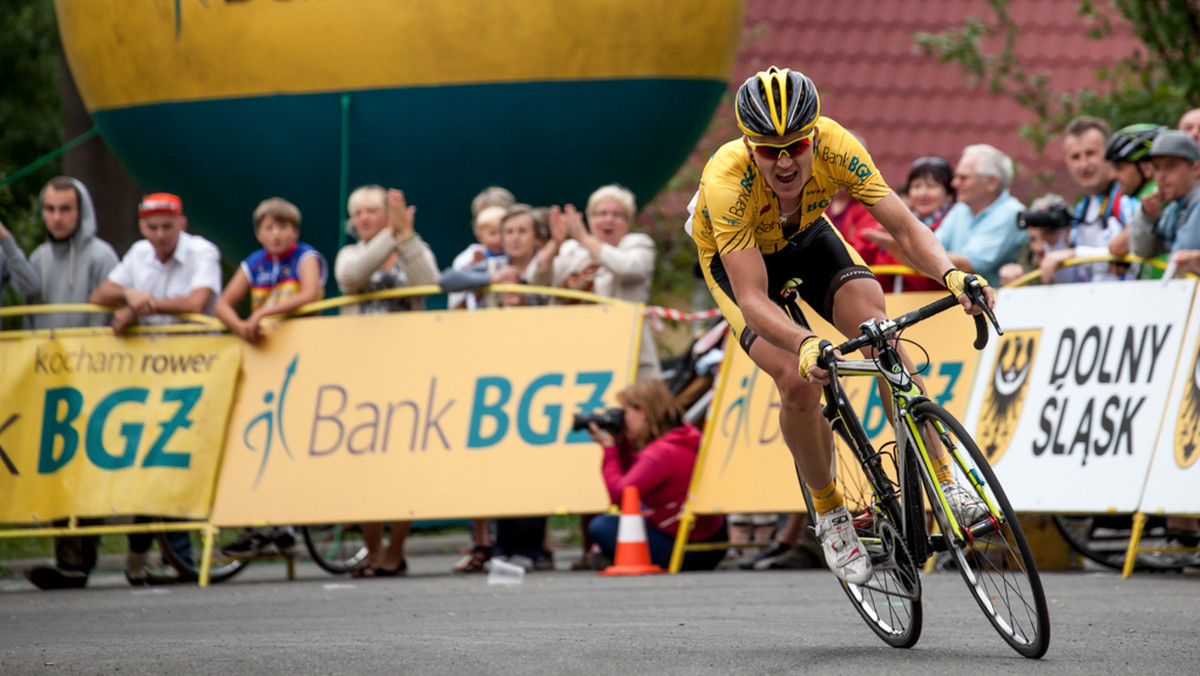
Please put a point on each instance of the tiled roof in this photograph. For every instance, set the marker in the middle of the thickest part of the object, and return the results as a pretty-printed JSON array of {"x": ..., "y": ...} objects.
[{"x": 872, "y": 78}]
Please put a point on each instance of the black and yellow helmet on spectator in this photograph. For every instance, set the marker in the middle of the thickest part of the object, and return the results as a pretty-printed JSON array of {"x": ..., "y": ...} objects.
[{"x": 777, "y": 102}]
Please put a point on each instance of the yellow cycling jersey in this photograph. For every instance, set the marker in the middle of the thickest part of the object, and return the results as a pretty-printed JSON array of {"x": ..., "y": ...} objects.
[{"x": 735, "y": 209}]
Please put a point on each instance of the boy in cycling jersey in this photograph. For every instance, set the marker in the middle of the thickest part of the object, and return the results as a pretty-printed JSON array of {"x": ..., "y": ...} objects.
[{"x": 760, "y": 229}]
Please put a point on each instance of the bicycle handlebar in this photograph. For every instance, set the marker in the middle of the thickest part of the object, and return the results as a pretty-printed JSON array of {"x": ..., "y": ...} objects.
[{"x": 874, "y": 333}]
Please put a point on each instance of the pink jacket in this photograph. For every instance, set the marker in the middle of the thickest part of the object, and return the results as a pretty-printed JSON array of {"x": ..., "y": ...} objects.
[{"x": 662, "y": 472}]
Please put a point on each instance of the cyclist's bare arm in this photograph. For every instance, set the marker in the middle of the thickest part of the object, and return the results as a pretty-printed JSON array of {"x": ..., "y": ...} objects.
[
  {"x": 920, "y": 245},
  {"x": 748, "y": 275}
]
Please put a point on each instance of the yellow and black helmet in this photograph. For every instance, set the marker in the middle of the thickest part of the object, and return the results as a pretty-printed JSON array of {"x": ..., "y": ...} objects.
[{"x": 777, "y": 102}]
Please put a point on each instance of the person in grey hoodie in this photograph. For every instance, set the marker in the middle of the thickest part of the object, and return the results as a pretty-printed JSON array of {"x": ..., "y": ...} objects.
[
  {"x": 69, "y": 265},
  {"x": 66, "y": 268}
]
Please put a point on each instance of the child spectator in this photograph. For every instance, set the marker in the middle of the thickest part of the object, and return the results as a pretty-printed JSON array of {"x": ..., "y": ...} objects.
[
  {"x": 280, "y": 277},
  {"x": 487, "y": 247}
]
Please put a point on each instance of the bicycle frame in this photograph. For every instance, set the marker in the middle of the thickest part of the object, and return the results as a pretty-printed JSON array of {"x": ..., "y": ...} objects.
[{"x": 904, "y": 395}]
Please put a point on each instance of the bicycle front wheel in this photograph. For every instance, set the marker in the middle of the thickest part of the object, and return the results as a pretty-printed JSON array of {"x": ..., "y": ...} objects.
[
  {"x": 890, "y": 601},
  {"x": 992, "y": 553},
  {"x": 337, "y": 548}
]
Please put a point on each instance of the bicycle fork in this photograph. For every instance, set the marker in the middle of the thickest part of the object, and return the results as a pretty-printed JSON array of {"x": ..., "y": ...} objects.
[{"x": 962, "y": 533}]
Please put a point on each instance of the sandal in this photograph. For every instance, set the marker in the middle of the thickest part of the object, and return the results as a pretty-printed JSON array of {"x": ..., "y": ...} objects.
[
  {"x": 379, "y": 571},
  {"x": 475, "y": 561}
]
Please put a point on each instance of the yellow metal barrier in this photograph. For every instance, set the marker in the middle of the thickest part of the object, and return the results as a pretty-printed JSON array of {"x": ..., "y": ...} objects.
[{"x": 206, "y": 324}]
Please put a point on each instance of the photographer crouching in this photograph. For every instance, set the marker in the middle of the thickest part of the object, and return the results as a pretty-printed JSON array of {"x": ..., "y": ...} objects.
[{"x": 648, "y": 445}]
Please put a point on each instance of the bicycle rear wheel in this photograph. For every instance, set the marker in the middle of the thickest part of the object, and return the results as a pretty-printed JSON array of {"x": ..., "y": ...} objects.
[
  {"x": 222, "y": 567},
  {"x": 993, "y": 556},
  {"x": 336, "y": 547},
  {"x": 890, "y": 601}
]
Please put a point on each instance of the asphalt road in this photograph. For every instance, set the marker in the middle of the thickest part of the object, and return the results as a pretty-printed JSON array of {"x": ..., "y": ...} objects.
[{"x": 562, "y": 622}]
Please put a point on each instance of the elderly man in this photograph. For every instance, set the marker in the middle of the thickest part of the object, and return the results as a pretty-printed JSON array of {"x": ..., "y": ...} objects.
[{"x": 980, "y": 233}]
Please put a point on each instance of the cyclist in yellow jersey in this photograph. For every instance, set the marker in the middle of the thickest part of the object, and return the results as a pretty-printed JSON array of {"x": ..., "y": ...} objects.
[{"x": 759, "y": 227}]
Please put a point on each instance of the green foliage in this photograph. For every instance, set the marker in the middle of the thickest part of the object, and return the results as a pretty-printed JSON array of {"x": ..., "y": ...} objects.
[
  {"x": 30, "y": 106},
  {"x": 1155, "y": 85}
]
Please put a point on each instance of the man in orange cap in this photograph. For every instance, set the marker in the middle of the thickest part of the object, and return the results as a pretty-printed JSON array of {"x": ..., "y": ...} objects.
[{"x": 170, "y": 271}]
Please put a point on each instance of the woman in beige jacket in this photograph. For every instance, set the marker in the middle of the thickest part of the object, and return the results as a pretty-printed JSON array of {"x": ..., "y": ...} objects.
[{"x": 388, "y": 254}]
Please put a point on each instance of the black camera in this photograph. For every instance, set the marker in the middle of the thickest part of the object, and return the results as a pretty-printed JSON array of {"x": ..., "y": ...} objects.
[
  {"x": 1053, "y": 217},
  {"x": 612, "y": 420}
]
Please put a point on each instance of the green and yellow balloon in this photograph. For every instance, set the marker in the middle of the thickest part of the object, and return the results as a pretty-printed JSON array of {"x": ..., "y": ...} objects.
[{"x": 227, "y": 102}]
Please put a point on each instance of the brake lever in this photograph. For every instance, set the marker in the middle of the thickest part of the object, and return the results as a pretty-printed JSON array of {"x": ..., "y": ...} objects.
[{"x": 976, "y": 295}]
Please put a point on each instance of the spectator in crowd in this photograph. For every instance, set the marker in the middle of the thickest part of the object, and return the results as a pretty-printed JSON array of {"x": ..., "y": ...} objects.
[
  {"x": 495, "y": 201},
  {"x": 1103, "y": 212},
  {"x": 525, "y": 237},
  {"x": 1189, "y": 123},
  {"x": 280, "y": 277},
  {"x": 1129, "y": 151},
  {"x": 980, "y": 231},
  {"x": 487, "y": 210},
  {"x": 389, "y": 253},
  {"x": 524, "y": 262},
  {"x": 69, "y": 265},
  {"x": 654, "y": 450},
  {"x": 171, "y": 271},
  {"x": 608, "y": 259},
  {"x": 1048, "y": 223},
  {"x": 64, "y": 269},
  {"x": 1169, "y": 219},
  {"x": 930, "y": 196},
  {"x": 486, "y": 248}
]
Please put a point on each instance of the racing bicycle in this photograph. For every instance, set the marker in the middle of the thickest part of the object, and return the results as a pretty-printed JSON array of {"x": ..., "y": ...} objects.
[{"x": 885, "y": 490}]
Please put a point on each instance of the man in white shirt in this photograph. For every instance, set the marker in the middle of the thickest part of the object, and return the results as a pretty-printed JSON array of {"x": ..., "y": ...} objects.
[{"x": 170, "y": 271}]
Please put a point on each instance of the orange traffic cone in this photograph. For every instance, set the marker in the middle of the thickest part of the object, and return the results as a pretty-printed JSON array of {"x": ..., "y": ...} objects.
[{"x": 633, "y": 553}]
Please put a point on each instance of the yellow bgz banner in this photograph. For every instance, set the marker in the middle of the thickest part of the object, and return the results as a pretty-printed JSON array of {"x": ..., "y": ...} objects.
[
  {"x": 746, "y": 467},
  {"x": 424, "y": 415},
  {"x": 94, "y": 426}
]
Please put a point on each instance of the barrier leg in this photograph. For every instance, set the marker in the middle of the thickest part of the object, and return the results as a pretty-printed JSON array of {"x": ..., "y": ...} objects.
[
  {"x": 210, "y": 532},
  {"x": 681, "y": 539},
  {"x": 1139, "y": 522}
]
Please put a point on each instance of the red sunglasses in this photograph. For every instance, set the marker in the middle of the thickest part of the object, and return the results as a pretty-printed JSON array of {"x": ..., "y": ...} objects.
[{"x": 772, "y": 151}]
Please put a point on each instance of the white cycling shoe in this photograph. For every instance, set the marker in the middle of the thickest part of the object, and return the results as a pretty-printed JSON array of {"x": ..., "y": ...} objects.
[
  {"x": 844, "y": 553},
  {"x": 966, "y": 505}
]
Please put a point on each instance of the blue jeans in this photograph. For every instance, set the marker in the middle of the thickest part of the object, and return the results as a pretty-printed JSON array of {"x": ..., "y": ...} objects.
[{"x": 603, "y": 530}]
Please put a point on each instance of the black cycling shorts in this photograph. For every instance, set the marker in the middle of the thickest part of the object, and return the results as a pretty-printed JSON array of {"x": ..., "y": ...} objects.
[{"x": 817, "y": 262}]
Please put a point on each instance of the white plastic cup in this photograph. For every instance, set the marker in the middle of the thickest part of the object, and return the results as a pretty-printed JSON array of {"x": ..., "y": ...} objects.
[{"x": 503, "y": 572}]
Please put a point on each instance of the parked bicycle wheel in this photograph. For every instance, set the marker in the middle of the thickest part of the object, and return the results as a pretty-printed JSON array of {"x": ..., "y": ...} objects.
[
  {"x": 1104, "y": 538},
  {"x": 222, "y": 568},
  {"x": 890, "y": 601},
  {"x": 995, "y": 560},
  {"x": 337, "y": 548}
]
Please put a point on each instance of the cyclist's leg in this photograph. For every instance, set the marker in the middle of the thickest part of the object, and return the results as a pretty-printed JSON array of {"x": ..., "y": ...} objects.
[{"x": 805, "y": 431}]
